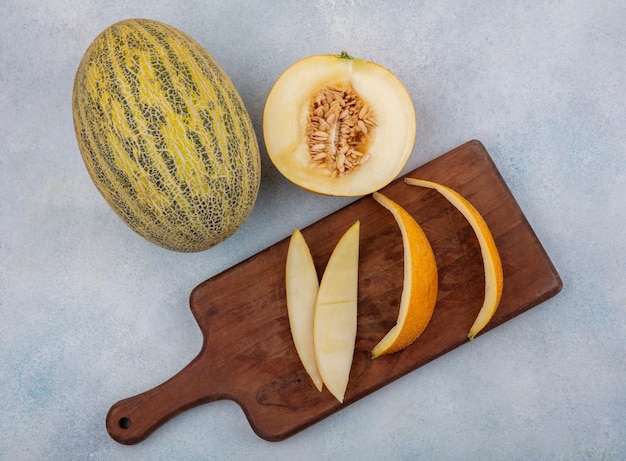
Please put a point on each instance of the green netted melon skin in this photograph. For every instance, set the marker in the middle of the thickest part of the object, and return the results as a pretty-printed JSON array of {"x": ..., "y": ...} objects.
[{"x": 165, "y": 135}]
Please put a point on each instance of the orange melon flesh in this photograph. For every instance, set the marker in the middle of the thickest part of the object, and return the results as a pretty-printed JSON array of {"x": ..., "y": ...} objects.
[
  {"x": 491, "y": 258},
  {"x": 287, "y": 115},
  {"x": 420, "y": 285}
]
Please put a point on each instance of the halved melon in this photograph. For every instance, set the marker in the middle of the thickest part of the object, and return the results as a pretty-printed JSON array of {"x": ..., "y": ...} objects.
[{"x": 337, "y": 125}]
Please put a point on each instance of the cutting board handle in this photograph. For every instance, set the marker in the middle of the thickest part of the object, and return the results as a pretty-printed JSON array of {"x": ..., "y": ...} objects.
[{"x": 131, "y": 420}]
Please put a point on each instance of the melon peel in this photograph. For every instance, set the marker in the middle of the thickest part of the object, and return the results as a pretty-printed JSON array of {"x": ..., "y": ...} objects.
[
  {"x": 420, "y": 284},
  {"x": 491, "y": 258}
]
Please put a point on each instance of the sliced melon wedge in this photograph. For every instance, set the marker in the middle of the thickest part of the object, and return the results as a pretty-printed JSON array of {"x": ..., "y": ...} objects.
[
  {"x": 335, "y": 320},
  {"x": 302, "y": 287}
]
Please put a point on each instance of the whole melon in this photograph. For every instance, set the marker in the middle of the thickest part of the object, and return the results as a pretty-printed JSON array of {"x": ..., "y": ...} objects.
[{"x": 165, "y": 135}]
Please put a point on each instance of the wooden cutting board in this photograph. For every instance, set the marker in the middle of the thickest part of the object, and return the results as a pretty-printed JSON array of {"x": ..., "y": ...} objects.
[{"x": 248, "y": 354}]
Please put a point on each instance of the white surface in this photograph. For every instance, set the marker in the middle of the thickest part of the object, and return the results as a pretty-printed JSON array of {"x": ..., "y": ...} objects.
[{"x": 90, "y": 313}]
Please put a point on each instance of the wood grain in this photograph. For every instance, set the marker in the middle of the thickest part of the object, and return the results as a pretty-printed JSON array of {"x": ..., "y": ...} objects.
[{"x": 248, "y": 355}]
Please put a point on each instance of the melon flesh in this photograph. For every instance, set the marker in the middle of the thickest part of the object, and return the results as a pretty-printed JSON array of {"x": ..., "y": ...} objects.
[
  {"x": 335, "y": 318},
  {"x": 302, "y": 286},
  {"x": 287, "y": 116}
]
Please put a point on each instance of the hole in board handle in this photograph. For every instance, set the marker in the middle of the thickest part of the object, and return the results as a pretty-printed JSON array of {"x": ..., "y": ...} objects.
[{"x": 124, "y": 422}]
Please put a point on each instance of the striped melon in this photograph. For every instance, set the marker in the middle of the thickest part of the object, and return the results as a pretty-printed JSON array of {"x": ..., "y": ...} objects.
[{"x": 165, "y": 136}]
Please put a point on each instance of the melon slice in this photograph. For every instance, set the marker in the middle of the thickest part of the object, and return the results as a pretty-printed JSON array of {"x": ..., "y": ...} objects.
[
  {"x": 337, "y": 125},
  {"x": 335, "y": 320},
  {"x": 302, "y": 286}
]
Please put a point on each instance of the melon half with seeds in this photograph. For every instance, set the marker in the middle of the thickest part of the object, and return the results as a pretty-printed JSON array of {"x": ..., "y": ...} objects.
[{"x": 337, "y": 125}]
